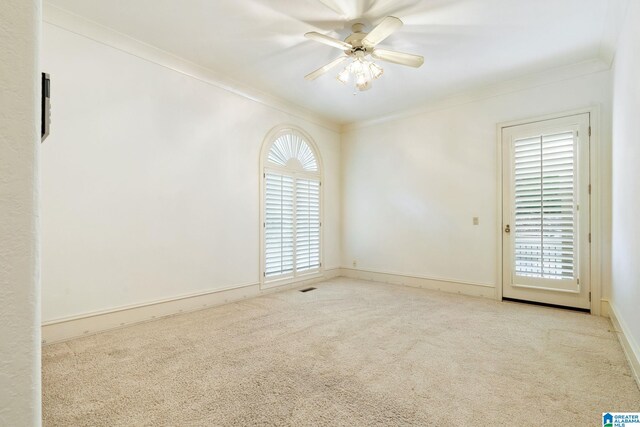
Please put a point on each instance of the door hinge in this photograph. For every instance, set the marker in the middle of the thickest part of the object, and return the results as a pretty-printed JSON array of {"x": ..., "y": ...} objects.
[
  {"x": 589, "y": 130},
  {"x": 589, "y": 188},
  {"x": 264, "y": 274},
  {"x": 264, "y": 225},
  {"x": 578, "y": 281},
  {"x": 589, "y": 296},
  {"x": 589, "y": 237}
]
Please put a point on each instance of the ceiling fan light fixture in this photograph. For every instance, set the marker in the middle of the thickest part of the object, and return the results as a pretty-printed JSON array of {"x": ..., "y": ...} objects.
[
  {"x": 375, "y": 70},
  {"x": 361, "y": 78},
  {"x": 363, "y": 85},
  {"x": 358, "y": 66},
  {"x": 344, "y": 75},
  {"x": 363, "y": 72}
]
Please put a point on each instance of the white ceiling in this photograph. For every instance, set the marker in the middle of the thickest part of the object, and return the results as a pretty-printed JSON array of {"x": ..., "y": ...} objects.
[{"x": 260, "y": 43}]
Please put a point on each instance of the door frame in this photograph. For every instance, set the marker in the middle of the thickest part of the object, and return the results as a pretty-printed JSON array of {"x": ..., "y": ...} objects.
[{"x": 595, "y": 225}]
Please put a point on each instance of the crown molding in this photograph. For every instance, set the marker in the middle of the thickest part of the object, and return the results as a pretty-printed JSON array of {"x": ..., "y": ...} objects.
[
  {"x": 614, "y": 21},
  {"x": 530, "y": 81},
  {"x": 84, "y": 27},
  {"x": 77, "y": 24}
]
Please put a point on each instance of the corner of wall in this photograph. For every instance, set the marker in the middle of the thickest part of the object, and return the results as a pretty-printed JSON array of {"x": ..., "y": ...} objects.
[{"x": 630, "y": 347}]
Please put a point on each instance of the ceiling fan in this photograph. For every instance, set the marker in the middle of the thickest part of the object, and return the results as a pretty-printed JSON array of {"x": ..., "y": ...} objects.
[{"x": 357, "y": 47}]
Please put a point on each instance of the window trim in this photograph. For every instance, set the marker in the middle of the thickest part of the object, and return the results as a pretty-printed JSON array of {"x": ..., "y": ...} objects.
[{"x": 265, "y": 167}]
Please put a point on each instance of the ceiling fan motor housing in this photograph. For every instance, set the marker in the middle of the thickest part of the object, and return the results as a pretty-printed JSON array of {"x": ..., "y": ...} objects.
[{"x": 355, "y": 40}]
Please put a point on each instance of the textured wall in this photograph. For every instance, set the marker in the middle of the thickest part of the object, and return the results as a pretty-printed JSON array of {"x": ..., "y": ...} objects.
[{"x": 19, "y": 283}]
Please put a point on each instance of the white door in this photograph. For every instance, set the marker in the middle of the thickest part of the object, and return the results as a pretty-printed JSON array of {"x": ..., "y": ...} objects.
[{"x": 546, "y": 211}]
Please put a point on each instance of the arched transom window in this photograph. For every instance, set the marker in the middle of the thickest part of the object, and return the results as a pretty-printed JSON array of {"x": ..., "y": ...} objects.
[
  {"x": 291, "y": 207},
  {"x": 292, "y": 151}
]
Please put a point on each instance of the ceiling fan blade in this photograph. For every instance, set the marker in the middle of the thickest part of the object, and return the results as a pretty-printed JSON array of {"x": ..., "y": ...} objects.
[
  {"x": 320, "y": 71},
  {"x": 398, "y": 57},
  {"x": 328, "y": 40},
  {"x": 384, "y": 29}
]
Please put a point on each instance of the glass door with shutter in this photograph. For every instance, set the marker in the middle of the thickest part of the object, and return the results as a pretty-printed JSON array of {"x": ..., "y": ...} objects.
[{"x": 546, "y": 211}]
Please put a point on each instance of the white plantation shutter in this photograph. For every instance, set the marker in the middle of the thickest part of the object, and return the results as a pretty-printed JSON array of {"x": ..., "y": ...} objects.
[
  {"x": 292, "y": 221},
  {"x": 307, "y": 224},
  {"x": 292, "y": 146},
  {"x": 278, "y": 226},
  {"x": 545, "y": 210}
]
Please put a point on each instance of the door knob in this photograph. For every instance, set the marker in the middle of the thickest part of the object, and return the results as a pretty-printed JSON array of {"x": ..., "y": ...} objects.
[{"x": 507, "y": 229}]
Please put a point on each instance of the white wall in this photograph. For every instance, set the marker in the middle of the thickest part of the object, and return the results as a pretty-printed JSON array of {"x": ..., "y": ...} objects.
[
  {"x": 625, "y": 293},
  {"x": 150, "y": 181},
  {"x": 19, "y": 282},
  {"x": 413, "y": 185}
]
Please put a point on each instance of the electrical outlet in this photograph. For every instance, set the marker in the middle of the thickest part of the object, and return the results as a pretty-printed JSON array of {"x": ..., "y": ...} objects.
[{"x": 476, "y": 220}]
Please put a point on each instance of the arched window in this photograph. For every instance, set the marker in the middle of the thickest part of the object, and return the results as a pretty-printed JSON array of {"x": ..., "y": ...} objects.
[{"x": 291, "y": 206}]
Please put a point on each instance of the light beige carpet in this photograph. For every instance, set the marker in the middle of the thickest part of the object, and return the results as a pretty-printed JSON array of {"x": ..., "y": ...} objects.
[{"x": 349, "y": 353}]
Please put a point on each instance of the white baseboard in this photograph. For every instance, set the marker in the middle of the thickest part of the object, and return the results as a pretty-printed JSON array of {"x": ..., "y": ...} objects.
[
  {"x": 604, "y": 308},
  {"x": 91, "y": 323},
  {"x": 436, "y": 284},
  {"x": 629, "y": 345}
]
